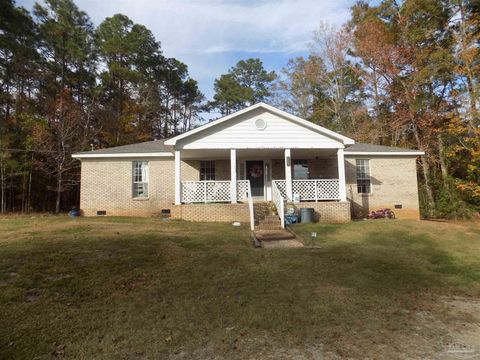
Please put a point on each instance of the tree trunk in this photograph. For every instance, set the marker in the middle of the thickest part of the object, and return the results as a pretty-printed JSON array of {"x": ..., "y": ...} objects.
[
  {"x": 443, "y": 163},
  {"x": 426, "y": 174},
  {"x": 2, "y": 188},
  {"x": 59, "y": 193},
  {"x": 29, "y": 193},
  {"x": 473, "y": 119}
]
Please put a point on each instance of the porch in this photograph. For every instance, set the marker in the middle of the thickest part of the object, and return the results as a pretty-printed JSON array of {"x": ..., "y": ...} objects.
[
  {"x": 219, "y": 191},
  {"x": 222, "y": 176},
  {"x": 244, "y": 176}
]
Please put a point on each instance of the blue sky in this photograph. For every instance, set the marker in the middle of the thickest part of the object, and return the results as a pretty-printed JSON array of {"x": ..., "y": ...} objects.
[{"x": 210, "y": 36}]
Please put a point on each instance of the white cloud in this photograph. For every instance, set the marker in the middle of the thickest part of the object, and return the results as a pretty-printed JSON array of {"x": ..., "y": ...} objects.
[
  {"x": 211, "y": 35},
  {"x": 266, "y": 26}
]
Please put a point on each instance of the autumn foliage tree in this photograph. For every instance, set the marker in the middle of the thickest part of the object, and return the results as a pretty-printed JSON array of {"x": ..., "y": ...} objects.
[
  {"x": 401, "y": 74},
  {"x": 66, "y": 85},
  {"x": 58, "y": 136}
]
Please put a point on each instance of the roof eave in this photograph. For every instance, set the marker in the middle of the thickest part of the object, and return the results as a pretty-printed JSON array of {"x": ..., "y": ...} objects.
[
  {"x": 379, "y": 153},
  {"x": 121, "y": 155}
]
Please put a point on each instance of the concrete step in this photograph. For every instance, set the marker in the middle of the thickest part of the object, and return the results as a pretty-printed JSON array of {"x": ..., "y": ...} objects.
[
  {"x": 273, "y": 235},
  {"x": 270, "y": 222},
  {"x": 268, "y": 227},
  {"x": 272, "y": 217}
]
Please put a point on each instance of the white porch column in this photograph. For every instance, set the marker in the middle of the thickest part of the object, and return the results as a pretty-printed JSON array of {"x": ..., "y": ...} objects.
[
  {"x": 233, "y": 175},
  {"x": 288, "y": 174},
  {"x": 178, "y": 178},
  {"x": 342, "y": 187}
]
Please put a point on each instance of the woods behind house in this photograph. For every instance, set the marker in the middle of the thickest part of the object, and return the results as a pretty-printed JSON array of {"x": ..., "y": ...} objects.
[{"x": 400, "y": 73}]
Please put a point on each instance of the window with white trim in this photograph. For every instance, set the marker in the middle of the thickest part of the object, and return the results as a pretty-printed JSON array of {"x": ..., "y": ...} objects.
[
  {"x": 207, "y": 170},
  {"x": 140, "y": 179},
  {"x": 363, "y": 176},
  {"x": 301, "y": 170}
]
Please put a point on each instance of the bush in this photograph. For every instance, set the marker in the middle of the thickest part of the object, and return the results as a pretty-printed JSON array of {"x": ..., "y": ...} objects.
[{"x": 451, "y": 205}]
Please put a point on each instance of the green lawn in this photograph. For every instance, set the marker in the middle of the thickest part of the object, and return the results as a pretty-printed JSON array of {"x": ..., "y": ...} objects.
[{"x": 130, "y": 288}]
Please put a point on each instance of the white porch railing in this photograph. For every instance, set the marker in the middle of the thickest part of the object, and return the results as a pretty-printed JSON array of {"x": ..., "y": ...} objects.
[
  {"x": 279, "y": 202},
  {"x": 243, "y": 190},
  {"x": 250, "y": 204},
  {"x": 313, "y": 189},
  {"x": 212, "y": 191},
  {"x": 209, "y": 191}
]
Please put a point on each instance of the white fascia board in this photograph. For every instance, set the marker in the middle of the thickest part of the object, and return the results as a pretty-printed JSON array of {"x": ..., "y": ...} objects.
[
  {"x": 383, "y": 153},
  {"x": 345, "y": 140},
  {"x": 123, "y": 155}
]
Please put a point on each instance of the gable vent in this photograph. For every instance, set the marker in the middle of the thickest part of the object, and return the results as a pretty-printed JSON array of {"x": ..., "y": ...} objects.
[{"x": 260, "y": 124}]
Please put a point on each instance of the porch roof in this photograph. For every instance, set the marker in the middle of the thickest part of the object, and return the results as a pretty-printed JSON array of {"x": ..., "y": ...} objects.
[
  {"x": 256, "y": 154},
  {"x": 372, "y": 149}
]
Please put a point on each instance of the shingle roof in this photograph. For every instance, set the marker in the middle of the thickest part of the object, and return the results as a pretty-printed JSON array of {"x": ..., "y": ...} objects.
[
  {"x": 363, "y": 147},
  {"x": 158, "y": 146},
  {"x": 143, "y": 147}
]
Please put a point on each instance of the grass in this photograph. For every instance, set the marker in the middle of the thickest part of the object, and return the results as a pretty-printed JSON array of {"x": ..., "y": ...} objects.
[{"x": 143, "y": 288}]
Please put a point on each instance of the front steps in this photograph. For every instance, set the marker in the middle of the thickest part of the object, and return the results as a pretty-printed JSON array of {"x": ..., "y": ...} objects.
[
  {"x": 265, "y": 219},
  {"x": 270, "y": 222},
  {"x": 268, "y": 231}
]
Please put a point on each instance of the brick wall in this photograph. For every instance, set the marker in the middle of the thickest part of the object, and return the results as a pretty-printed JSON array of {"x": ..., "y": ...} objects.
[
  {"x": 213, "y": 212},
  {"x": 329, "y": 212},
  {"x": 106, "y": 184},
  {"x": 393, "y": 181}
]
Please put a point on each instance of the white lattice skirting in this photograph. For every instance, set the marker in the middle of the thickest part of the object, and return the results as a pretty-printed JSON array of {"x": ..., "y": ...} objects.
[
  {"x": 212, "y": 191},
  {"x": 314, "y": 189}
]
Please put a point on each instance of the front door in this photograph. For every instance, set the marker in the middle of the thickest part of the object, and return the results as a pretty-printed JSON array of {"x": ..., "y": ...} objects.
[{"x": 255, "y": 173}]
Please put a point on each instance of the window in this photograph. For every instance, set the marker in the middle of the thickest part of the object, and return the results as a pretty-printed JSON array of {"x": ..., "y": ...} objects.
[
  {"x": 301, "y": 170},
  {"x": 207, "y": 170},
  {"x": 363, "y": 176},
  {"x": 140, "y": 179}
]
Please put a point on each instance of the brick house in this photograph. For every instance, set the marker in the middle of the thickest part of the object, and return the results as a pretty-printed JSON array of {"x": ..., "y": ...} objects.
[{"x": 257, "y": 155}]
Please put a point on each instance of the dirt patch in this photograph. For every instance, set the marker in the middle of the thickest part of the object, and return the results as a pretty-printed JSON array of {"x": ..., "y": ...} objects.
[
  {"x": 282, "y": 244},
  {"x": 463, "y": 338}
]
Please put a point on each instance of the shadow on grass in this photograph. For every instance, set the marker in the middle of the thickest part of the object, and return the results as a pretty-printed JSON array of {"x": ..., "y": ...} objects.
[{"x": 204, "y": 287}]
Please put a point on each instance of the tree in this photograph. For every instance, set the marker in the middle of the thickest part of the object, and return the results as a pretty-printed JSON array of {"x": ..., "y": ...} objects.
[
  {"x": 297, "y": 86},
  {"x": 18, "y": 60},
  {"x": 339, "y": 83},
  {"x": 67, "y": 48},
  {"x": 250, "y": 74},
  {"x": 128, "y": 51},
  {"x": 245, "y": 84},
  {"x": 145, "y": 94},
  {"x": 57, "y": 138},
  {"x": 466, "y": 29},
  {"x": 55, "y": 101},
  {"x": 326, "y": 87},
  {"x": 229, "y": 96},
  {"x": 68, "y": 55},
  {"x": 407, "y": 49}
]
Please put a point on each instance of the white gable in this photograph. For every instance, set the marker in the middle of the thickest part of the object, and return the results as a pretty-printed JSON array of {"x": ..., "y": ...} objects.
[
  {"x": 244, "y": 132},
  {"x": 241, "y": 130}
]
